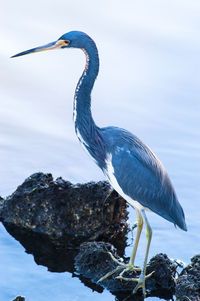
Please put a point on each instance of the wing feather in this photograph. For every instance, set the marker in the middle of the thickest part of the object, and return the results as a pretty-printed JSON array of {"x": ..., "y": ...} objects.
[{"x": 141, "y": 175}]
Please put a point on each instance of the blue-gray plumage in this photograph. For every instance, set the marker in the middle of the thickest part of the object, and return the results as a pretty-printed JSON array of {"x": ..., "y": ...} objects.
[
  {"x": 129, "y": 165},
  {"x": 141, "y": 175}
]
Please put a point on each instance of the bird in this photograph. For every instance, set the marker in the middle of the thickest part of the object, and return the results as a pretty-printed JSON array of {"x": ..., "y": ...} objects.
[{"x": 129, "y": 165}]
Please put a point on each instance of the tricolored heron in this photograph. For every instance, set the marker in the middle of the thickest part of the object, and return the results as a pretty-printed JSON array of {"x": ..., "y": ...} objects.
[{"x": 129, "y": 165}]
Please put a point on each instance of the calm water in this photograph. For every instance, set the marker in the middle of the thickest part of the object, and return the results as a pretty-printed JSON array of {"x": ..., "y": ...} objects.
[{"x": 148, "y": 83}]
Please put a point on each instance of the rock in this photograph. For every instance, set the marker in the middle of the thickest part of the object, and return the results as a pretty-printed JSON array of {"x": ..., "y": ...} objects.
[
  {"x": 1, "y": 202},
  {"x": 94, "y": 261},
  {"x": 19, "y": 298},
  {"x": 68, "y": 214},
  {"x": 161, "y": 283},
  {"x": 188, "y": 284}
]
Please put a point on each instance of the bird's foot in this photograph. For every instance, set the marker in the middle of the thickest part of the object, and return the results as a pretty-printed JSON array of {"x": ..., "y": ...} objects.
[
  {"x": 110, "y": 273},
  {"x": 140, "y": 281},
  {"x": 121, "y": 266}
]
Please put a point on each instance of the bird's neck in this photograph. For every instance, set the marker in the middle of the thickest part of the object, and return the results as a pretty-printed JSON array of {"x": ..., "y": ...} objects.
[
  {"x": 87, "y": 131},
  {"x": 82, "y": 99}
]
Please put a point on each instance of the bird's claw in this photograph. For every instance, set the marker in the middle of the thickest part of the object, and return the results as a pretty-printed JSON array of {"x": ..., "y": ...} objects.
[
  {"x": 110, "y": 273},
  {"x": 141, "y": 283},
  {"x": 134, "y": 279},
  {"x": 125, "y": 267}
]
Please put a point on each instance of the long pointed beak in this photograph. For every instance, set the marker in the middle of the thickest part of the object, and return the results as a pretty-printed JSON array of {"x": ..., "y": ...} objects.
[{"x": 50, "y": 46}]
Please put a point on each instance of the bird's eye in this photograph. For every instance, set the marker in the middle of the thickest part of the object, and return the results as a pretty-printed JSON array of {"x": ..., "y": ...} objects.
[{"x": 67, "y": 42}]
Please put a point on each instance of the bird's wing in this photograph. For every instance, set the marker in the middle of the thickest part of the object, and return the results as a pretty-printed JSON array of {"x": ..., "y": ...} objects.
[{"x": 142, "y": 177}]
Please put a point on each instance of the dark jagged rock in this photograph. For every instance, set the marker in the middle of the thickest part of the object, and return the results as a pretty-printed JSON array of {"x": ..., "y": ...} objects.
[
  {"x": 94, "y": 261},
  {"x": 68, "y": 214},
  {"x": 1, "y": 202},
  {"x": 161, "y": 283},
  {"x": 188, "y": 284},
  {"x": 19, "y": 298},
  {"x": 51, "y": 218}
]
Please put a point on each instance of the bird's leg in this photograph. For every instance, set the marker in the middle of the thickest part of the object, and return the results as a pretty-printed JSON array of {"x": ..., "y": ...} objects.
[
  {"x": 143, "y": 276},
  {"x": 130, "y": 265},
  {"x": 139, "y": 230}
]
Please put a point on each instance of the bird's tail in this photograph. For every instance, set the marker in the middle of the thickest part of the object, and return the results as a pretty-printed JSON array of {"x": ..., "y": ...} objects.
[{"x": 178, "y": 214}]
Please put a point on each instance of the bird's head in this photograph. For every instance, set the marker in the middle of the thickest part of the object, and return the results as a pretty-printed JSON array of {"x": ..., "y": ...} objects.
[{"x": 75, "y": 39}]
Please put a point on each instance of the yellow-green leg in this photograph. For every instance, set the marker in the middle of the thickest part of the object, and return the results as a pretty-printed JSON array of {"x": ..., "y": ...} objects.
[
  {"x": 130, "y": 265},
  {"x": 139, "y": 230},
  {"x": 141, "y": 216},
  {"x": 143, "y": 277}
]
